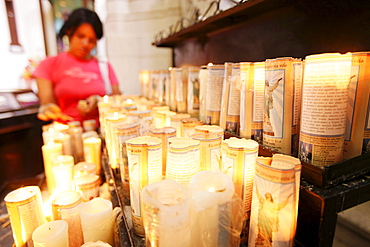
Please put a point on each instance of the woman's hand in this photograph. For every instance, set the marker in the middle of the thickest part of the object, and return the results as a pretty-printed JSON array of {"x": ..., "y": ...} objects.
[
  {"x": 88, "y": 105},
  {"x": 51, "y": 111}
]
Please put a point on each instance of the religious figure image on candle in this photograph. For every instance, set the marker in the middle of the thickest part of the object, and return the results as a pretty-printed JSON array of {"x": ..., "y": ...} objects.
[
  {"x": 268, "y": 217},
  {"x": 270, "y": 124},
  {"x": 305, "y": 152}
]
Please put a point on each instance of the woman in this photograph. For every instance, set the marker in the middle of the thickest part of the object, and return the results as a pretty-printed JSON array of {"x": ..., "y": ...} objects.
[{"x": 71, "y": 83}]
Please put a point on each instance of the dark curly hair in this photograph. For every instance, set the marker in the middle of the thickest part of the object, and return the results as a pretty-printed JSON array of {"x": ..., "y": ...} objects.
[{"x": 78, "y": 17}]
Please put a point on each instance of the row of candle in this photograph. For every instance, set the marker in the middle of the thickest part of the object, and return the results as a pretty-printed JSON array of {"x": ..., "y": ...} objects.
[
  {"x": 290, "y": 105},
  {"x": 74, "y": 222}
]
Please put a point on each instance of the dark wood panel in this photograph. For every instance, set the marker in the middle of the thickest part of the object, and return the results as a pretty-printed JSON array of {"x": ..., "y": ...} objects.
[{"x": 295, "y": 30}]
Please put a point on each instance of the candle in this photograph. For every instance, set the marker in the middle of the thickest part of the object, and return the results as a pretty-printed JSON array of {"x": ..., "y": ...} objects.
[
  {"x": 357, "y": 123},
  {"x": 110, "y": 124},
  {"x": 164, "y": 134},
  {"x": 252, "y": 76},
  {"x": 145, "y": 167},
  {"x": 215, "y": 80},
  {"x": 282, "y": 104},
  {"x": 238, "y": 160},
  {"x": 62, "y": 170},
  {"x": 215, "y": 216},
  {"x": 97, "y": 220},
  {"x": 144, "y": 82},
  {"x": 166, "y": 214},
  {"x": 50, "y": 151},
  {"x": 92, "y": 151},
  {"x": 210, "y": 129},
  {"x": 275, "y": 201},
  {"x": 203, "y": 73},
  {"x": 88, "y": 186},
  {"x": 176, "y": 122},
  {"x": 24, "y": 207},
  {"x": 183, "y": 159},
  {"x": 84, "y": 168},
  {"x": 210, "y": 151},
  {"x": 51, "y": 234},
  {"x": 193, "y": 91},
  {"x": 188, "y": 126},
  {"x": 89, "y": 125},
  {"x": 65, "y": 206},
  {"x": 324, "y": 107},
  {"x": 225, "y": 93},
  {"x": 75, "y": 131}
]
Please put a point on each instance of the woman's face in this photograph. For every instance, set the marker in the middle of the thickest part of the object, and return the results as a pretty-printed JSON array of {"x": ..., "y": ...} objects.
[{"x": 82, "y": 41}]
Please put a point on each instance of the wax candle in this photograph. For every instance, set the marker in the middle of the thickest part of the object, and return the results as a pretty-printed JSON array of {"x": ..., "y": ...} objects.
[
  {"x": 238, "y": 159},
  {"x": 24, "y": 207},
  {"x": 210, "y": 129},
  {"x": 164, "y": 134},
  {"x": 282, "y": 104},
  {"x": 183, "y": 159},
  {"x": 145, "y": 167},
  {"x": 215, "y": 81},
  {"x": 62, "y": 170},
  {"x": 176, "y": 122},
  {"x": 210, "y": 151},
  {"x": 84, "y": 168},
  {"x": 97, "y": 220},
  {"x": 65, "y": 206},
  {"x": 88, "y": 186},
  {"x": 252, "y": 76},
  {"x": 193, "y": 91},
  {"x": 51, "y": 234},
  {"x": 92, "y": 151},
  {"x": 215, "y": 217},
  {"x": 275, "y": 201},
  {"x": 324, "y": 107},
  {"x": 50, "y": 151},
  {"x": 166, "y": 214}
]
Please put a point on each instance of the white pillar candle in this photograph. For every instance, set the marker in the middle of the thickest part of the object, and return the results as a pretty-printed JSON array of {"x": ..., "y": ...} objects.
[
  {"x": 215, "y": 216},
  {"x": 24, "y": 207},
  {"x": 50, "y": 151},
  {"x": 92, "y": 151},
  {"x": 166, "y": 214},
  {"x": 62, "y": 170},
  {"x": 65, "y": 206},
  {"x": 97, "y": 220},
  {"x": 51, "y": 234}
]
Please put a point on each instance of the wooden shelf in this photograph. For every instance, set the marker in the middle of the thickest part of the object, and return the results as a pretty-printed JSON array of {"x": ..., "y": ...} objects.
[{"x": 224, "y": 20}]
